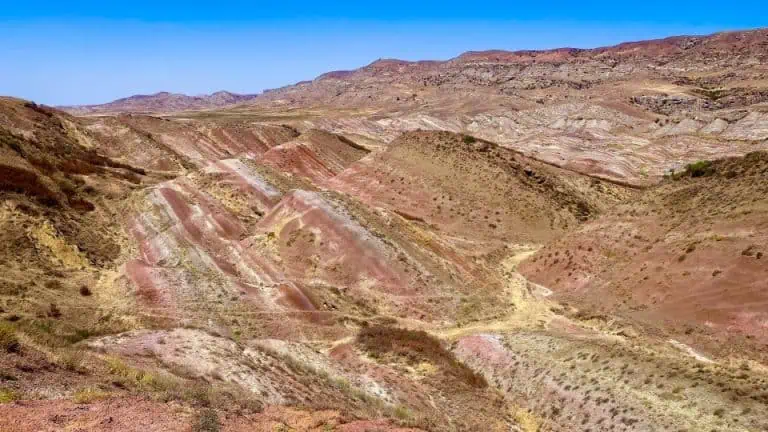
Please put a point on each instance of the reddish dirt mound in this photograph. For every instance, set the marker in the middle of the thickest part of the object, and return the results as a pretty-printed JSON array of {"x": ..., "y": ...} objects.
[
  {"x": 171, "y": 145},
  {"x": 336, "y": 250},
  {"x": 315, "y": 155}
]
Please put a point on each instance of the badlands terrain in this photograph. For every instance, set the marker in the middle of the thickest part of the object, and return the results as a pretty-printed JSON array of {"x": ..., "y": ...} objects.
[{"x": 563, "y": 240}]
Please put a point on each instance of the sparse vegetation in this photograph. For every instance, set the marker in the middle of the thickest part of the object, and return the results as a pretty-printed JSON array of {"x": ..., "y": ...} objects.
[
  {"x": 205, "y": 245},
  {"x": 207, "y": 420},
  {"x": 527, "y": 420},
  {"x": 89, "y": 395},
  {"x": 698, "y": 169},
  {"x": 71, "y": 359},
  {"x": 8, "y": 395},
  {"x": 9, "y": 342},
  {"x": 402, "y": 413},
  {"x": 414, "y": 347}
]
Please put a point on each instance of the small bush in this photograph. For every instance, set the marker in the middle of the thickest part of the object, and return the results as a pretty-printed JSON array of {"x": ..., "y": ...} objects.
[
  {"x": 8, "y": 340},
  {"x": 416, "y": 347},
  {"x": 528, "y": 421},
  {"x": 54, "y": 311},
  {"x": 85, "y": 291},
  {"x": 402, "y": 413},
  {"x": 699, "y": 169},
  {"x": 198, "y": 393},
  {"x": 341, "y": 384},
  {"x": 207, "y": 421},
  {"x": 89, "y": 395},
  {"x": 8, "y": 395},
  {"x": 71, "y": 359},
  {"x": 118, "y": 367},
  {"x": 469, "y": 139}
]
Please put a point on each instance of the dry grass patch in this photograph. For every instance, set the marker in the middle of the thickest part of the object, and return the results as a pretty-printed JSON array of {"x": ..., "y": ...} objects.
[
  {"x": 89, "y": 395},
  {"x": 71, "y": 359},
  {"x": 527, "y": 421}
]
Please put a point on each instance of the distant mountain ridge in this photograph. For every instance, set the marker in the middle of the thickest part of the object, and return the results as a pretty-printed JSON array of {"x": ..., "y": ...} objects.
[
  {"x": 163, "y": 102},
  {"x": 387, "y": 80}
]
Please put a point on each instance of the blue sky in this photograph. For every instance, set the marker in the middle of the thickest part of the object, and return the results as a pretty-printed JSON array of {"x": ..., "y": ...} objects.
[{"x": 81, "y": 52}]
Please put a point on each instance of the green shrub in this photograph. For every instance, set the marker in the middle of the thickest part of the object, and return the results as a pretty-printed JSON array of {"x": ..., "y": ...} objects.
[
  {"x": 699, "y": 169},
  {"x": 8, "y": 340},
  {"x": 8, "y": 395},
  {"x": 469, "y": 139}
]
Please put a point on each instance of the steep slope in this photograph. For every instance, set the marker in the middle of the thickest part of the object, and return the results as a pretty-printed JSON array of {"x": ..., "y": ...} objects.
[
  {"x": 61, "y": 204},
  {"x": 167, "y": 145},
  {"x": 50, "y": 178},
  {"x": 687, "y": 256},
  {"x": 476, "y": 189},
  {"x": 315, "y": 155}
]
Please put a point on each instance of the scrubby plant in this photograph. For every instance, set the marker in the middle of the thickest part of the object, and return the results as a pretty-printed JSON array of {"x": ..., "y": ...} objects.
[
  {"x": 699, "y": 169},
  {"x": 8, "y": 395},
  {"x": 469, "y": 139},
  {"x": 89, "y": 395},
  {"x": 207, "y": 421},
  {"x": 199, "y": 393},
  {"x": 8, "y": 341},
  {"x": 402, "y": 413},
  {"x": 71, "y": 359},
  {"x": 415, "y": 347}
]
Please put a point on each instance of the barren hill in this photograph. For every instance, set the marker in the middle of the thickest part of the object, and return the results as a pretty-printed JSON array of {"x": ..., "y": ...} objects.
[
  {"x": 560, "y": 240},
  {"x": 501, "y": 194}
]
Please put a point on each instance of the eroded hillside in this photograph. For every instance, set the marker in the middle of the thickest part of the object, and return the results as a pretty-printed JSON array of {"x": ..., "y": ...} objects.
[
  {"x": 530, "y": 241},
  {"x": 686, "y": 256}
]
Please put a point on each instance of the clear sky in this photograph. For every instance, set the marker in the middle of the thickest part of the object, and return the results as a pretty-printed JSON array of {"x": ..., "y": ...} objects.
[{"x": 81, "y": 52}]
